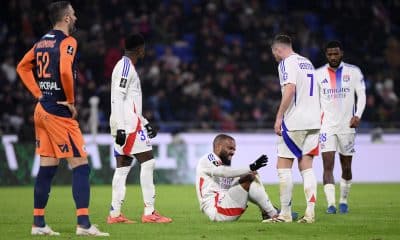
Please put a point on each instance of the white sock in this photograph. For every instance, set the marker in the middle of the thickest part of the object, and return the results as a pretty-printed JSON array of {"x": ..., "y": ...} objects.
[
  {"x": 118, "y": 190},
  {"x": 310, "y": 190},
  {"x": 329, "y": 190},
  {"x": 344, "y": 190},
  {"x": 148, "y": 189},
  {"x": 285, "y": 189},
  {"x": 259, "y": 196}
]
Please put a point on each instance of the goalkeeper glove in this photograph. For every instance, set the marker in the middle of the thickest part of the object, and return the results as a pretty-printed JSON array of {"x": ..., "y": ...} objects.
[
  {"x": 151, "y": 131},
  {"x": 259, "y": 163},
  {"x": 120, "y": 138}
]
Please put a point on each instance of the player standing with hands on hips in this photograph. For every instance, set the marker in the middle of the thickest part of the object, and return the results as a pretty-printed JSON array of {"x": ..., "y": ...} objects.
[
  {"x": 131, "y": 132},
  {"x": 297, "y": 124},
  {"x": 339, "y": 83},
  {"x": 53, "y": 59}
]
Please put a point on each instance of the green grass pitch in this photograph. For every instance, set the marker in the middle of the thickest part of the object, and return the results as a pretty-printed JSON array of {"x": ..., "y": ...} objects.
[{"x": 374, "y": 215}]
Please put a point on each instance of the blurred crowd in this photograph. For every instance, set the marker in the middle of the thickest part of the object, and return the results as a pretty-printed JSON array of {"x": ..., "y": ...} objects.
[{"x": 208, "y": 64}]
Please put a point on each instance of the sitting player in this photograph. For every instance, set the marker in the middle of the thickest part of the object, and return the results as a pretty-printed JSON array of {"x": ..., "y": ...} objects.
[{"x": 223, "y": 191}]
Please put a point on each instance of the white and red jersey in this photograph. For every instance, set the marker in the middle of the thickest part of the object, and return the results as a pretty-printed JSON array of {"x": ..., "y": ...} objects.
[
  {"x": 304, "y": 110},
  {"x": 212, "y": 177},
  {"x": 126, "y": 98},
  {"x": 338, "y": 89}
]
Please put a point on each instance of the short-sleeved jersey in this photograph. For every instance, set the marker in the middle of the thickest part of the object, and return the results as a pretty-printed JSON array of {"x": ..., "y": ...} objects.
[
  {"x": 304, "y": 110},
  {"x": 212, "y": 176},
  {"x": 125, "y": 81},
  {"x": 54, "y": 65},
  {"x": 338, "y": 90}
]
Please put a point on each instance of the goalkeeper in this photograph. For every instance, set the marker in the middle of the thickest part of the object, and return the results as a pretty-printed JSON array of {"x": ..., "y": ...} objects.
[{"x": 223, "y": 191}]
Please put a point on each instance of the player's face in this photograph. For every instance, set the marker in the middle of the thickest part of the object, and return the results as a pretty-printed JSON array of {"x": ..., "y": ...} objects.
[
  {"x": 71, "y": 19},
  {"x": 334, "y": 56},
  {"x": 276, "y": 49},
  {"x": 141, "y": 52},
  {"x": 227, "y": 150}
]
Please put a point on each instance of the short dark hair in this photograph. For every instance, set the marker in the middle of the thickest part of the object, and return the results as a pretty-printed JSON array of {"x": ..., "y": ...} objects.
[
  {"x": 57, "y": 11},
  {"x": 133, "y": 41},
  {"x": 219, "y": 138},
  {"x": 333, "y": 44},
  {"x": 283, "y": 39}
]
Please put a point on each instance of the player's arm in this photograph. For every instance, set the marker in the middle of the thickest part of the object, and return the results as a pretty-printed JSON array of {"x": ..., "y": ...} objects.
[
  {"x": 227, "y": 171},
  {"x": 68, "y": 48},
  {"x": 361, "y": 102},
  {"x": 24, "y": 70}
]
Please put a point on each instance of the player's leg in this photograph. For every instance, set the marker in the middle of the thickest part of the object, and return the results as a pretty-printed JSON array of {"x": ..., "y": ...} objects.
[
  {"x": 119, "y": 190},
  {"x": 328, "y": 143},
  {"x": 258, "y": 195},
  {"x": 147, "y": 165},
  {"x": 230, "y": 205},
  {"x": 346, "y": 151},
  {"x": 310, "y": 149},
  {"x": 47, "y": 170}
]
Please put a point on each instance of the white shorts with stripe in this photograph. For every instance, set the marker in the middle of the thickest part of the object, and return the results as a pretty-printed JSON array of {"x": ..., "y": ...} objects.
[
  {"x": 295, "y": 144},
  {"x": 136, "y": 142},
  {"x": 227, "y": 205},
  {"x": 342, "y": 143}
]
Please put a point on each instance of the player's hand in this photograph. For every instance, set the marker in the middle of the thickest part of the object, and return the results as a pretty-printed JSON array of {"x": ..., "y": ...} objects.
[
  {"x": 259, "y": 163},
  {"x": 71, "y": 108},
  {"x": 151, "y": 131},
  {"x": 354, "y": 122},
  {"x": 278, "y": 126},
  {"x": 121, "y": 137}
]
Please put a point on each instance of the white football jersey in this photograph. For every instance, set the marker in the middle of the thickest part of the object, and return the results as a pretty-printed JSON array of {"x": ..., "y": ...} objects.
[
  {"x": 304, "y": 110},
  {"x": 212, "y": 176},
  {"x": 126, "y": 98},
  {"x": 338, "y": 89}
]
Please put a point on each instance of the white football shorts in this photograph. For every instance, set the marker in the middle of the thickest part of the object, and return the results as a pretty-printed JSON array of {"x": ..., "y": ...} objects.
[
  {"x": 342, "y": 143},
  {"x": 135, "y": 143},
  {"x": 295, "y": 144},
  {"x": 227, "y": 205}
]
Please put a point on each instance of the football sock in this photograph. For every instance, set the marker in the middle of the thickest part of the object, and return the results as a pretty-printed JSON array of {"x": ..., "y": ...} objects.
[
  {"x": 41, "y": 193},
  {"x": 258, "y": 195},
  {"x": 310, "y": 190},
  {"x": 148, "y": 188},
  {"x": 118, "y": 190},
  {"x": 344, "y": 190},
  {"x": 81, "y": 193},
  {"x": 285, "y": 190},
  {"x": 329, "y": 190}
]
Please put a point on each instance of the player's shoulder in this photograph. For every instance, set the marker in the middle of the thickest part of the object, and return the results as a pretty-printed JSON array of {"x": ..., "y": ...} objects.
[
  {"x": 211, "y": 158},
  {"x": 351, "y": 67}
]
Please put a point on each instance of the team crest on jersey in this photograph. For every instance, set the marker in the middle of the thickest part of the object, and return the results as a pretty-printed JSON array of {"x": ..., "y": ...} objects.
[
  {"x": 325, "y": 81},
  {"x": 123, "y": 82},
  {"x": 346, "y": 78},
  {"x": 70, "y": 50}
]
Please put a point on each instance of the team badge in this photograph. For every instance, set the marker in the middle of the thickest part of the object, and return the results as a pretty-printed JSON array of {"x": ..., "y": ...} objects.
[
  {"x": 123, "y": 82},
  {"x": 70, "y": 50},
  {"x": 346, "y": 78}
]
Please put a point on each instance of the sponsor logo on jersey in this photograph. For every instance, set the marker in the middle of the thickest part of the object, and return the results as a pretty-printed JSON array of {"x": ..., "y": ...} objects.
[
  {"x": 49, "y": 86},
  {"x": 212, "y": 159},
  {"x": 285, "y": 76},
  {"x": 346, "y": 78},
  {"x": 325, "y": 81}
]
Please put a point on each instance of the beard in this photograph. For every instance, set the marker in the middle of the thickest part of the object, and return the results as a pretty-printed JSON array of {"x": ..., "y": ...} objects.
[
  {"x": 225, "y": 158},
  {"x": 336, "y": 64}
]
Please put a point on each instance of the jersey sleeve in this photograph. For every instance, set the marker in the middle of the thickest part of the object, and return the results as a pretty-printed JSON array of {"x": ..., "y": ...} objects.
[
  {"x": 68, "y": 48},
  {"x": 124, "y": 75},
  {"x": 213, "y": 169},
  {"x": 25, "y": 71},
  {"x": 288, "y": 69},
  {"x": 360, "y": 92}
]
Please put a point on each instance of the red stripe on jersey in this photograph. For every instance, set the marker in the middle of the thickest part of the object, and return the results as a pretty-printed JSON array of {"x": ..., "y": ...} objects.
[
  {"x": 201, "y": 186},
  {"x": 228, "y": 211},
  {"x": 131, "y": 140}
]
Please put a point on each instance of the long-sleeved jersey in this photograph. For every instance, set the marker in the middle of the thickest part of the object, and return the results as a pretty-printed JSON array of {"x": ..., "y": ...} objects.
[
  {"x": 212, "y": 177},
  {"x": 126, "y": 98},
  {"x": 304, "y": 110},
  {"x": 49, "y": 70},
  {"x": 338, "y": 90}
]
